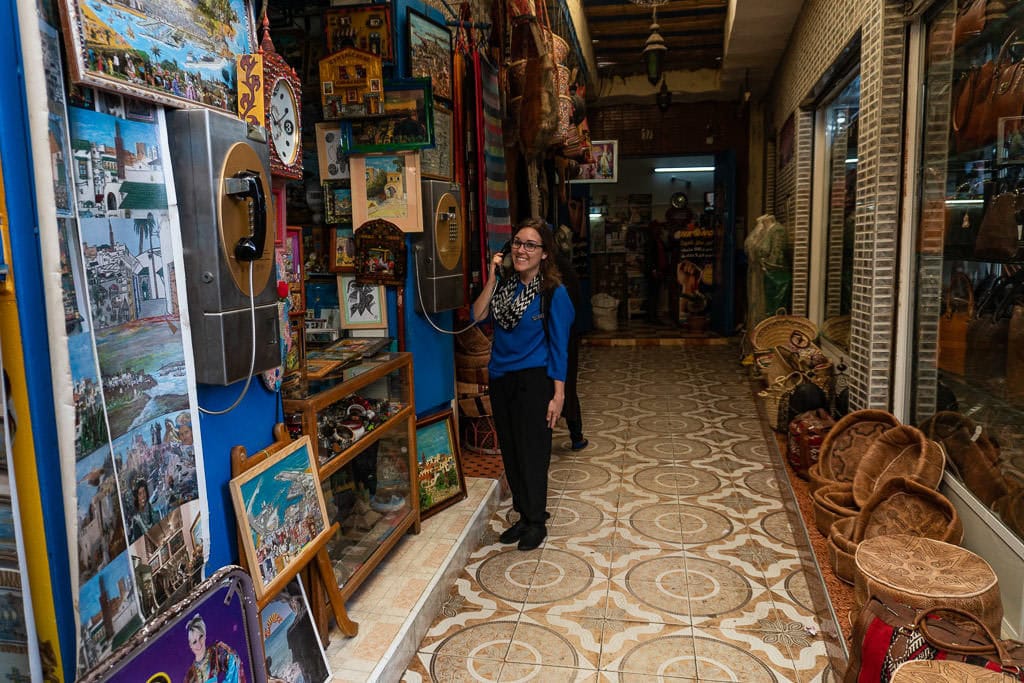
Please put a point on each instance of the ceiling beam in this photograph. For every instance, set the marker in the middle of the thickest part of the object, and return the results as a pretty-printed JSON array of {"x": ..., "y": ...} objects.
[{"x": 582, "y": 29}]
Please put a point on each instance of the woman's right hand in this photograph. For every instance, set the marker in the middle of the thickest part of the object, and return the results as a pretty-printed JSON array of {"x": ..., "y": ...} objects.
[{"x": 497, "y": 261}]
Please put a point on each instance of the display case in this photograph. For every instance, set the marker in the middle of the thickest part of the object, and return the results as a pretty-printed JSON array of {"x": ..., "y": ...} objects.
[{"x": 362, "y": 424}]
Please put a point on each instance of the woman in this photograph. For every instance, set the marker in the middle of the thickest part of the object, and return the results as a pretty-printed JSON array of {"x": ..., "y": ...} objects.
[
  {"x": 218, "y": 663},
  {"x": 527, "y": 370}
]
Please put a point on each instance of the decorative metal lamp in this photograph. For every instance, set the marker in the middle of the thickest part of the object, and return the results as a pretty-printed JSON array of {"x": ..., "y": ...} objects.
[{"x": 654, "y": 50}]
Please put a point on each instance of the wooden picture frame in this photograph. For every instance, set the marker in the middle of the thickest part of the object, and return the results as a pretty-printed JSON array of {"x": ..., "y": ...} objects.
[
  {"x": 331, "y": 152},
  {"x": 439, "y": 464},
  {"x": 436, "y": 161},
  {"x": 407, "y": 124},
  {"x": 337, "y": 202},
  {"x": 366, "y": 27},
  {"x": 430, "y": 53},
  {"x": 343, "y": 251},
  {"x": 283, "y": 485},
  {"x": 605, "y": 168},
  {"x": 124, "y": 50},
  {"x": 363, "y": 306},
  {"x": 294, "y": 259},
  {"x": 387, "y": 187}
]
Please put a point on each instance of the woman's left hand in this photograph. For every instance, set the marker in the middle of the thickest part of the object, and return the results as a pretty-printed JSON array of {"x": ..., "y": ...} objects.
[{"x": 554, "y": 410}]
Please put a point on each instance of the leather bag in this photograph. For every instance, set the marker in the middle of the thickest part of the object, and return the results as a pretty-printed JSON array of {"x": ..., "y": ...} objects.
[
  {"x": 538, "y": 109},
  {"x": 886, "y": 635},
  {"x": 970, "y": 21},
  {"x": 999, "y": 237},
  {"x": 957, "y": 311},
  {"x": 969, "y": 94},
  {"x": 987, "y": 335}
]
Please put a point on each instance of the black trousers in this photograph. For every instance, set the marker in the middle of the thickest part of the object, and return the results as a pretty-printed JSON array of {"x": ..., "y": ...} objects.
[
  {"x": 519, "y": 403},
  {"x": 571, "y": 408}
]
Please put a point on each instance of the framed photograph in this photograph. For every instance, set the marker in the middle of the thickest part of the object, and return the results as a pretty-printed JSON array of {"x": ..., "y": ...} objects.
[
  {"x": 408, "y": 121},
  {"x": 291, "y": 643},
  {"x": 331, "y": 154},
  {"x": 292, "y": 258},
  {"x": 337, "y": 202},
  {"x": 387, "y": 187},
  {"x": 436, "y": 161},
  {"x": 1010, "y": 150},
  {"x": 439, "y": 465},
  {"x": 430, "y": 53},
  {"x": 366, "y": 27},
  {"x": 176, "y": 54},
  {"x": 281, "y": 515},
  {"x": 343, "y": 251},
  {"x": 363, "y": 306},
  {"x": 605, "y": 168}
]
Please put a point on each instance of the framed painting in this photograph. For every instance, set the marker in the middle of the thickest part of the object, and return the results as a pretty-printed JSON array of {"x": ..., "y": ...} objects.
[
  {"x": 366, "y": 27},
  {"x": 282, "y": 518},
  {"x": 605, "y": 167},
  {"x": 408, "y": 121},
  {"x": 292, "y": 258},
  {"x": 291, "y": 642},
  {"x": 176, "y": 54},
  {"x": 363, "y": 306},
  {"x": 331, "y": 153},
  {"x": 439, "y": 465},
  {"x": 430, "y": 53},
  {"x": 387, "y": 187},
  {"x": 337, "y": 202},
  {"x": 343, "y": 251},
  {"x": 380, "y": 253},
  {"x": 436, "y": 161}
]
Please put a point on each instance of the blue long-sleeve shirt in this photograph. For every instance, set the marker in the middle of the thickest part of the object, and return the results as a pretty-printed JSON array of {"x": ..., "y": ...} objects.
[{"x": 524, "y": 346}]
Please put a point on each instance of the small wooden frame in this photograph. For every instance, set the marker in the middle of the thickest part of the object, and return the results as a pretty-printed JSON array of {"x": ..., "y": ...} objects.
[
  {"x": 439, "y": 465},
  {"x": 314, "y": 555}
]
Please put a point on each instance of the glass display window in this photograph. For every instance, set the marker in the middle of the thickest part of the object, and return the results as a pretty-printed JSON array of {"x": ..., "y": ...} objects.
[{"x": 968, "y": 331}]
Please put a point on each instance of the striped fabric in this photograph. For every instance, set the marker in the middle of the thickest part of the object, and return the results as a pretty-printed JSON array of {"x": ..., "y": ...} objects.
[{"x": 493, "y": 191}]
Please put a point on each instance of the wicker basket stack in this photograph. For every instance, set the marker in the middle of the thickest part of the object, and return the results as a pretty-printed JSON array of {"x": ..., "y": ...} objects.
[{"x": 476, "y": 426}]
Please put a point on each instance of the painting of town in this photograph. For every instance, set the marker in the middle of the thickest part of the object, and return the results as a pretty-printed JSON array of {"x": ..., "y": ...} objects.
[
  {"x": 291, "y": 644},
  {"x": 108, "y": 609},
  {"x": 13, "y": 630},
  {"x": 387, "y": 187},
  {"x": 170, "y": 52},
  {"x": 280, "y": 511},
  {"x": 430, "y": 53},
  {"x": 439, "y": 469},
  {"x": 168, "y": 560}
]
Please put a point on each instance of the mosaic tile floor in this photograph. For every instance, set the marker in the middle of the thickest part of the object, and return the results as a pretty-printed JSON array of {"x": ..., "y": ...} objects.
[{"x": 675, "y": 549}]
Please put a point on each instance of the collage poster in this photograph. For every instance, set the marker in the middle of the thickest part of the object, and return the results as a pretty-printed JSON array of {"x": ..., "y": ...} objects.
[{"x": 141, "y": 540}]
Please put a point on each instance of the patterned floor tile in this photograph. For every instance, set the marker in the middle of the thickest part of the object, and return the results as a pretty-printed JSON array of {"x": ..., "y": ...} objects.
[{"x": 649, "y": 649}]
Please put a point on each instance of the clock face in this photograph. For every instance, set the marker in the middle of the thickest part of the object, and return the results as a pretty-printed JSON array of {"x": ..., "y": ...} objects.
[{"x": 284, "y": 122}]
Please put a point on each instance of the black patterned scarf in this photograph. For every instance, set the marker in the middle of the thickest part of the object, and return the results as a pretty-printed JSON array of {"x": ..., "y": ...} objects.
[{"x": 507, "y": 307}]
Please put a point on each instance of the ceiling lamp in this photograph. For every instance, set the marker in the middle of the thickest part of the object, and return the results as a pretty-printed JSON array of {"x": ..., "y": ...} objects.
[{"x": 654, "y": 50}]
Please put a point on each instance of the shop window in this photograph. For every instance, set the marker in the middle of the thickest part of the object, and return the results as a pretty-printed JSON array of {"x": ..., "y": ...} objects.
[
  {"x": 969, "y": 327},
  {"x": 841, "y": 116}
]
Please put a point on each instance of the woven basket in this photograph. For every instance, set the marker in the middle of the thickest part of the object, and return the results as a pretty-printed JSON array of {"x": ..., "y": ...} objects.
[
  {"x": 472, "y": 375},
  {"x": 832, "y": 503},
  {"x": 775, "y": 393},
  {"x": 778, "y": 329},
  {"x": 844, "y": 446},
  {"x": 903, "y": 506},
  {"x": 472, "y": 360},
  {"x": 473, "y": 342},
  {"x": 902, "y": 451},
  {"x": 841, "y": 550},
  {"x": 837, "y": 330},
  {"x": 479, "y": 435}
]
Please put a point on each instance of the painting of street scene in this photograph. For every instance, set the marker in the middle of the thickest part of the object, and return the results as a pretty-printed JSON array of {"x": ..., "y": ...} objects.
[
  {"x": 90, "y": 419},
  {"x": 438, "y": 468},
  {"x": 100, "y": 529},
  {"x": 385, "y": 187},
  {"x": 13, "y": 629},
  {"x": 430, "y": 53},
  {"x": 161, "y": 51},
  {"x": 168, "y": 559},
  {"x": 280, "y": 509},
  {"x": 108, "y": 609}
]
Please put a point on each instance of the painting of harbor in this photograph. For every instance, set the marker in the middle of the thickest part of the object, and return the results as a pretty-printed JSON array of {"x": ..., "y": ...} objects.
[{"x": 163, "y": 52}]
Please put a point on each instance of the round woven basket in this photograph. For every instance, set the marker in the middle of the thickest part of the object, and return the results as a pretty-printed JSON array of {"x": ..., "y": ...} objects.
[
  {"x": 903, "y": 506},
  {"x": 902, "y": 451},
  {"x": 473, "y": 341},
  {"x": 832, "y": 503},
  {"x": 472, "y": 360},
  {"x": 849, "y": 439},
  {"x": 837, "y": 329},
  {"x": 778, "y": 329},
  {"x": 923, "y": 572}
]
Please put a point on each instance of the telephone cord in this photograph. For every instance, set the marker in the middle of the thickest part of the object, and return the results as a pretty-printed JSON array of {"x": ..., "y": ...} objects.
[
  {"x": 419, "y": 295},
  {"x": 252, "y": 358}
]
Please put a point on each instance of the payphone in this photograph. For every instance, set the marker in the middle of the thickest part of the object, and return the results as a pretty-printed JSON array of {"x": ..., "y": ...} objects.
[
  {"x": 222, "y": 181},
  {"x": 439, "y": 255}
]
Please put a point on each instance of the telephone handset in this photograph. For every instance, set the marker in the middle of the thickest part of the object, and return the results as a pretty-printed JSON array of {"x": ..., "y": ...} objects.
[
  {"x": 248, "y": 185},
  {"x": 506, "y": 249}
]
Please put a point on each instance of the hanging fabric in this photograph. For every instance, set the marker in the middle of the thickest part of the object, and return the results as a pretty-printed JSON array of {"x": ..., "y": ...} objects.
[{"x": 492, "y": 181}]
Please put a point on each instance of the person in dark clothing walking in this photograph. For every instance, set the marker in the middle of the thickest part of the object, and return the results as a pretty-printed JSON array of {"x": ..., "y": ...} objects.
[
  {"x": 571, "y": 409},
  {"x": 529, "y": 358}
]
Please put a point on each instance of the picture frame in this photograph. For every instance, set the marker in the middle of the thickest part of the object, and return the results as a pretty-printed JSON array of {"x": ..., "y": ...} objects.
[
  {"x": 331, "y": 151},
  {"x": 374, "y": 239},
  {"x": 366, "y": 27},
  {"x": 436, "y": 161},
  {"x": 605, "y": 167},
  {"x": 151, "y": 52},
  {"x": 407, "y": 124},
  {"x": 290, "y": 639},
  {"x": 343, "y": 251},
  {"x": 337, "y": 202},
  {"x": 387, "y": 187},
  {"x": 439, "y": 464},
  {"x": 1010, "y": 149},
  {"x": 284, "y": 486},
  {"x": 363, "y": 306},
  {"x": 293, "y": 275},
  {"x": 430, "y": 53}
]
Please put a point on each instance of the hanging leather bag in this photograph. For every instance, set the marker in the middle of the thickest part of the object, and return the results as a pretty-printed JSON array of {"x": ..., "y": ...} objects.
[
  {"x": 970, "y": 21},
  {"x": 999, "y": 237},
  {"x": 957, "y": 311},
  {"x": 969, "y": 94},
  {"x": 538, "y": 109}
]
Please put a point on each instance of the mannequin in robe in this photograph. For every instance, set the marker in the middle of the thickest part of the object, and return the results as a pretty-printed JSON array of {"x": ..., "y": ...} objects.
[{"x": 769, "y": 279}]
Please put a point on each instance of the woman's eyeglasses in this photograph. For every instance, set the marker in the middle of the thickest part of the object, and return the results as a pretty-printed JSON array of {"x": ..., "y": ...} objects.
[{"x": 529, "y": 246}]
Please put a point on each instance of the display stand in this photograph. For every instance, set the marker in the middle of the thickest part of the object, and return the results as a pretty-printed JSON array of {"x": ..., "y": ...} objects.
[{"x": 318, "y": 565}]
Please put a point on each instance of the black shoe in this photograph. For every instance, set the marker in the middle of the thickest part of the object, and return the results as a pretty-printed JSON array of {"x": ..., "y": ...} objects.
[
  {"x": 579, "y": 445},
  {"x": 513, "y": 533},
  {"x": 532, "y": 536}
]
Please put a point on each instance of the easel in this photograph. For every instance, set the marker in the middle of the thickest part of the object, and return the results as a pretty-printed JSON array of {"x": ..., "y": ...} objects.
[{"x": 315, "y": 563}]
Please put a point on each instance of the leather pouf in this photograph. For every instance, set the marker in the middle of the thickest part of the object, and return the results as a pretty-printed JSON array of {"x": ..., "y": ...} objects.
[
  {"x": 902, "y": 451},
  {"x": 942, "y": 671},
  {"x": 846, "y": 444},
  {"x": 922, "y": 572}
]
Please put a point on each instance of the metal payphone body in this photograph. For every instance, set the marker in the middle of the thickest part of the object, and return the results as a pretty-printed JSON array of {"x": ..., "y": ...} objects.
[
  {"x": 440, "y": 258},
  {"x": 222, "y": 180}
]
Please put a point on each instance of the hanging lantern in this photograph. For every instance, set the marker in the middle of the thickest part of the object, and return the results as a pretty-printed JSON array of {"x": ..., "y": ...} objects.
[
  {"x": 664, "y": 96},
  {"x": 654, "y": 50}
]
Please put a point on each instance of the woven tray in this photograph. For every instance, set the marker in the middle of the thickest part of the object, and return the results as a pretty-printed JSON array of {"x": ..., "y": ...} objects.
[
  {"x": 846, "y": 444},
  {"x": 902, "y": 451},
  {"x": 903, "y": 506}
]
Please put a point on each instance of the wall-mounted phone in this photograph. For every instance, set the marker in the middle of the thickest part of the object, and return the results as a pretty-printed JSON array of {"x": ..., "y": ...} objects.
[
  {"x": 222, "y": 179},
  {"x": 440, "y": 254}
]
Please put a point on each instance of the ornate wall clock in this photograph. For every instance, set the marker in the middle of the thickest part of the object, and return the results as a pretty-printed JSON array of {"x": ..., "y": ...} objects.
[{"x": 283, "y": 105}]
